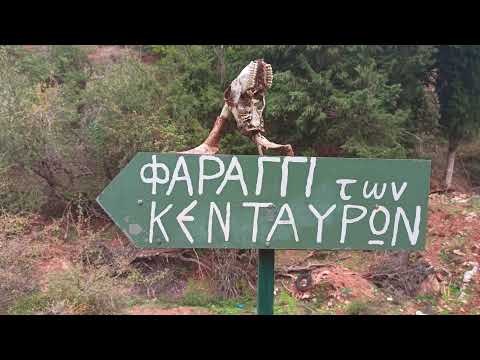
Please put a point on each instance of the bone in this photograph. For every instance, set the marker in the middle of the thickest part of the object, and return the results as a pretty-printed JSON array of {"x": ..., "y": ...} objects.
[
  {"x": 254, "y": 130},
  {"x": 260, "y": 149},
  {"x": 211, "y": 144},
  {"x": 262, "y": 141}
]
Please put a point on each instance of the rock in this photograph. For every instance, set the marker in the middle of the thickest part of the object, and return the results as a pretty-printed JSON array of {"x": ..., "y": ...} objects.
[
  {"x": 429, "y": 286},
  {"x": 471, "y": 216},
  {"x": 57, "y": 308},
  {"x": 467, "y": 277},
  {"x": 389, "y": 299}
]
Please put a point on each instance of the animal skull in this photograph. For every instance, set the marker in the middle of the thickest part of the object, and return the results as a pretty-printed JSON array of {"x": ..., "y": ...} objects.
[
  {"x": 245, "y": 100},
  {"x": 245, "y": 97}
]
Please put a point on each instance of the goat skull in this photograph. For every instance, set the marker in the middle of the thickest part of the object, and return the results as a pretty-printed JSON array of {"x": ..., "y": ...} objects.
[
  {"x": 245, "y": 100},
  {"x": 245, "y": 97}
]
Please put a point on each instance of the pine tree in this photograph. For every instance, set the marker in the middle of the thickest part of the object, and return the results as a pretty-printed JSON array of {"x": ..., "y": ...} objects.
[{"x": 458, "y": 89}]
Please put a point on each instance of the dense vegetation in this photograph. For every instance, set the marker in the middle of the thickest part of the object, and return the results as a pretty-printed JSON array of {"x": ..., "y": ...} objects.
[
  {"x": 71, "y": 117},
  {"x": 69, "y": 124}
]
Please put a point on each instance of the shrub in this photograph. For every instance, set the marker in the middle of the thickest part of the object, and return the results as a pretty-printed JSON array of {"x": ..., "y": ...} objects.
[
  {"x": 286, "y": 304},
  {"x": 198, "y": 293},
  {"x": 358, "y": 308},
  {"x": 69, "y": 127},
  {"x": 233, "y": 272},
  {"x": 16, "y": 260},
  {"x": 79, "y": 292}
]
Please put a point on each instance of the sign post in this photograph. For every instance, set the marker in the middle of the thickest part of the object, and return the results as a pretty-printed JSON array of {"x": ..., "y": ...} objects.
[
  {"x": 266, "y": 281},
  {"x": 270, "y": 202}
]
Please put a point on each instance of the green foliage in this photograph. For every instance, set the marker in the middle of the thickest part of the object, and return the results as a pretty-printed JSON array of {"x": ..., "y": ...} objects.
[
  {"x": 17, "y": 196},
  {"x": 69, "y": 63},
  {"x": 123, "y": 113},
  {"x": 88, "y": 293},
  {"x": 68, "y": 126},
  {"x": 195, "y": 94},
  {"x": 238, "y": 306},
  {"x": 17, "y": 256},
  {"x": 32, "y": 304},
  {"x": 358, "y": 308},
  {"x": 355, "y": 99},
  {"x": 286, "y": 304},
  {"x": 475, "y": 203},
  {"x": 470, "y": 156},
  {"x": 150, "y": 282},
  {"x": 198, "y": 293},
  {"x": 343, "y": 96},
  {"x": 74, "y": 292},
  {"x": 429, "y": 299},
  {"x": 458, "y": 90},
  {"x": 234, "y": 143},
  {"x": 451, "y": 293},
  {"x": 33, "y": 143}
]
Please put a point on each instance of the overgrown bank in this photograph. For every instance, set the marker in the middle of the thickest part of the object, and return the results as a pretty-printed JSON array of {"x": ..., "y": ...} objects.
[
  {"x": 73, "y": 116},
  {"x": 80, "y": 266}
]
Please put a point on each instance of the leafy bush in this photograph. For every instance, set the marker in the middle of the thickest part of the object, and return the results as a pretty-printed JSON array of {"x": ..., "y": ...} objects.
[
  {"x": 16, "y": 260},
  {"x": 286, "y": 304},
  {"x": 74, "y": 292},
  {"x": 32, "y": 304},
  {"x": 469, "y": 158},
  {"x": 94, "y": 292},
  {"x": 68, "y": 127},
  {"x": 198, "y": 293},
  {"x": 124, "y": 113},
  {"x": 358, "y": 308}
]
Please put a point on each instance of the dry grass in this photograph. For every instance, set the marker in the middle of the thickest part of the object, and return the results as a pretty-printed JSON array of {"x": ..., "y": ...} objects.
[
  {"x": 79, "y": 265},
  {"x": 74, "y": 292},
  {"x": 233, "y": 272},
  {"x": 17, "y": 256}
]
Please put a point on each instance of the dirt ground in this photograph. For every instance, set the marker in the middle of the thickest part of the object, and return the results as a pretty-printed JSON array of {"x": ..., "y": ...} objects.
[
  {"x": 181, "y": 310},
  {"x": 339, "y": 282}
]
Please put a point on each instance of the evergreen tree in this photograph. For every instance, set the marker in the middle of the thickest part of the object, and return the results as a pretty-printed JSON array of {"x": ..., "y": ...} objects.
[{"x": 458, "y": 90}]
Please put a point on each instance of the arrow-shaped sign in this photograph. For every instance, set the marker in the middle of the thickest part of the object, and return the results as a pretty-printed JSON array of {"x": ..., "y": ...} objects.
[{"x": 263, "y": 202}]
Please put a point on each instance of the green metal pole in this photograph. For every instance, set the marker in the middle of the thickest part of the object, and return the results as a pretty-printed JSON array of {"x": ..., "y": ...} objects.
[{"x": 266, "y": 281}]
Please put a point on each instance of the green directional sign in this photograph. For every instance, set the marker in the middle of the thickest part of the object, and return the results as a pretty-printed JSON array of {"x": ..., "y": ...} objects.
[{"x": 270, "y": 202}]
